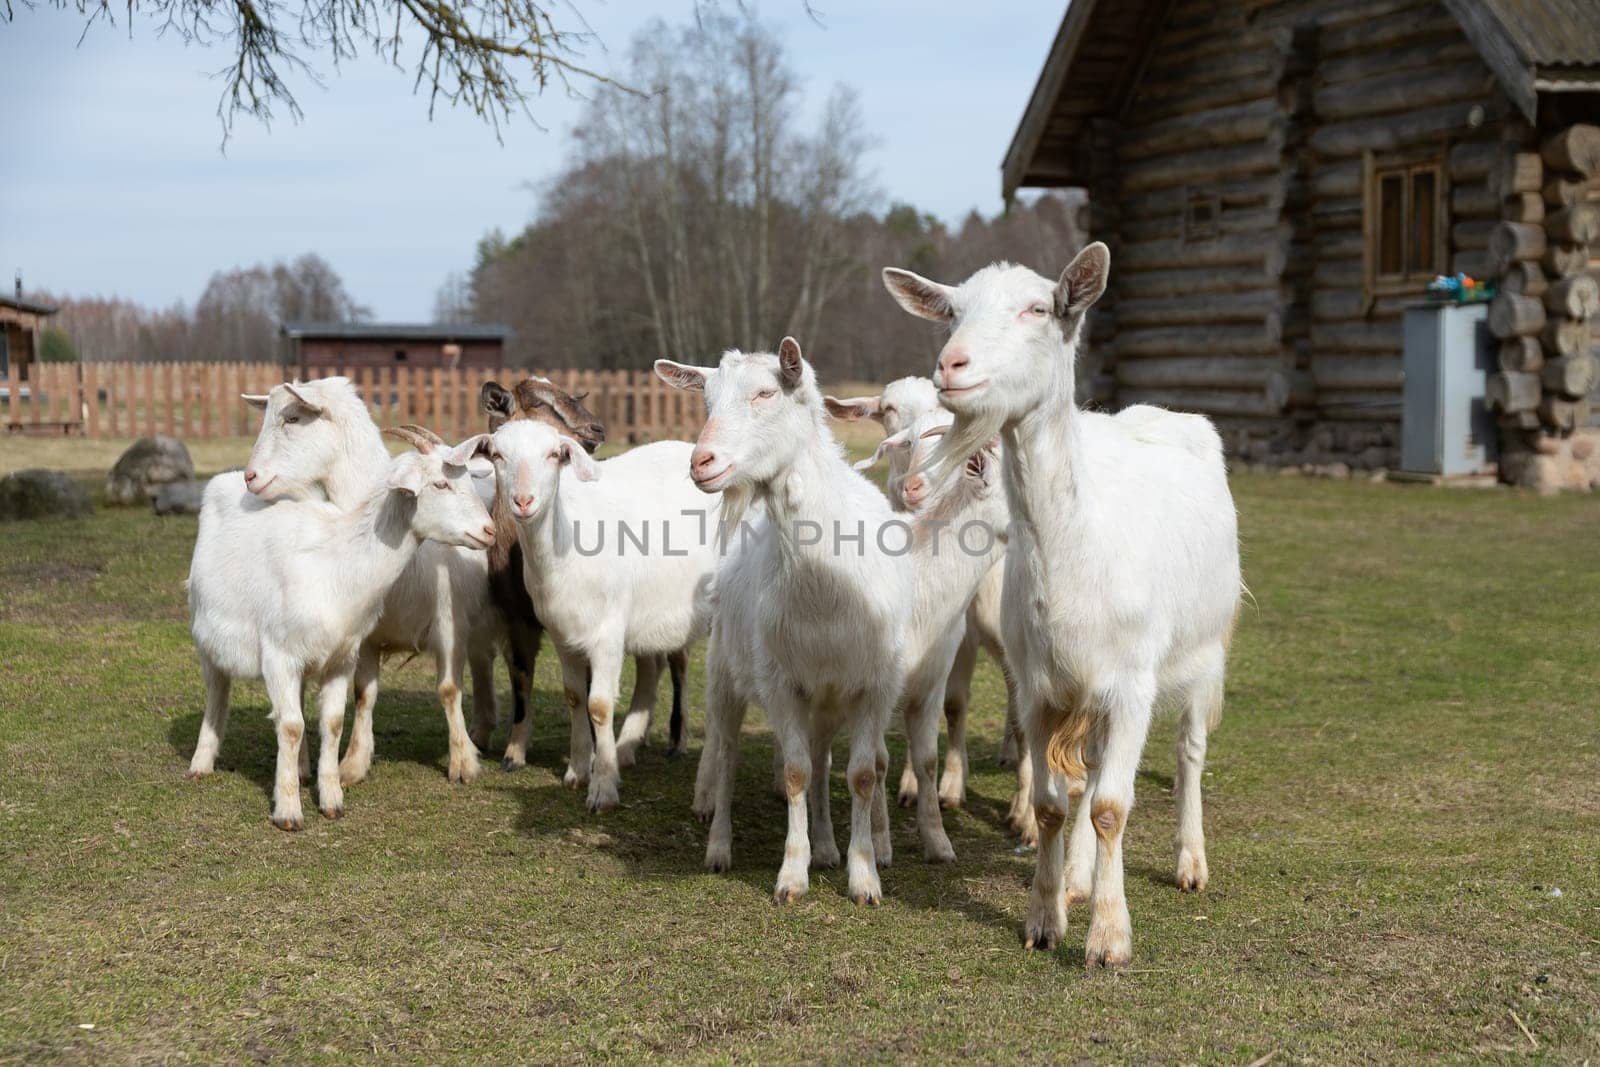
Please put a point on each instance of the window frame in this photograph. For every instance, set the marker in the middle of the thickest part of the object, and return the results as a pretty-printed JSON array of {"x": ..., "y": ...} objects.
[
  {"x": 1193, "y": 198},
  {"x": 1375, "y": 169}
]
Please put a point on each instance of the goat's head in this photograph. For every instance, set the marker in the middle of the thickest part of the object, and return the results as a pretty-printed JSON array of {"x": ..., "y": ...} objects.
[
  {"x": 448, "y": 509},
  {"x": 1008, "y": 327},
  {"x": 761, "y": 409},
  {"x": 910, "y": 453},
  {"x": 528, "y": 456},
  {"x": 541, "y": 399},
  {"x": 902, "y": 401},
  {"x": 302, "y": 435}
]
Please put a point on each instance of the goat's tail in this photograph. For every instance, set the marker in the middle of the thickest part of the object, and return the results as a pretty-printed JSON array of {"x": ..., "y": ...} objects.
[{"x": 1068, "y": 730}]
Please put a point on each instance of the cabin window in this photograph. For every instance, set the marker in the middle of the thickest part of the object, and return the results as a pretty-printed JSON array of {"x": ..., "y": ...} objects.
[
  {"x": 399, "y": 355},
  {"x": 1200, "y": 212},
  {"x": 1406, "y": 229}
]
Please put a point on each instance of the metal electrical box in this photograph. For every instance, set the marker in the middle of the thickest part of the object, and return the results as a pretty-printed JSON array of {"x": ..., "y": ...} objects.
[{"x": 1449, "y": 356}]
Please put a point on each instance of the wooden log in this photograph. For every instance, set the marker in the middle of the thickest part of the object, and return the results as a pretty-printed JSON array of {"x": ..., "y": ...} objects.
[
  {"x": 1524, "y": 355},
  {"x": 1472, "y": 235},
  {"x": 1577, "y": 296},
  {"x": 1564, "y": 337},
  {"x": 1201, "y": 129},
  {"x": 1525, "y": 278},
  {"x": 1263, "y": 157},
  {"x": 1561, "y": 260},
  {"x": 1523, "y": 207},
  {"x": 1571, "y": 375},
  {"x": 1380, "y": 61},
  {"x": 1205, "y": 401},
  {"x": 1265, "y": 251},
  {"x": 1575, "y": 149},
  {"x": 1474, "y": 199},
  {"x": 1515, "y": 315},
  {"x": 1578, "y": 224},
  {"x": 1519, "y": 172},
  {"x": 1337, "y": 371},
  {"x": 1390, "y": 133},
  {"x": 1376, "y": 335},
  {"x": 1333, "y": 180},
  {"x": 1476, "y": 263},
  {"x": 1521, "y": 420},
  {"x": 1135, "y": 283},
  {"x": 1265, "y": 338},
  {"x": 1563, "y": 414},
  {"x": 1511, "y": 242},
  {"x": 1200, "y": 372},
  {"x": 1510, "y": 392},
  {"x": 1474, "y": 160},
  {"x": 1363, "y": 406},
  {"x": 1386, "y": 92},
  {"x": 1179, "y": 311},
  {"x": 1378, "y": 35},
  {"x": 1564, "y": 190}
]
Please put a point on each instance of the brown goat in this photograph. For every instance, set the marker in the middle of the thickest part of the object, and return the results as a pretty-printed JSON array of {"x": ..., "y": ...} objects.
[{"x": 539, "y": 398}]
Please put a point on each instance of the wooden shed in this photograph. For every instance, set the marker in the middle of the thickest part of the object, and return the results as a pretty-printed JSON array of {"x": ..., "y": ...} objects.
[
  {"x": 1278, "y": 179},
  {"x": 326, "y": 345},
  {"x": 22, "y": 324}
]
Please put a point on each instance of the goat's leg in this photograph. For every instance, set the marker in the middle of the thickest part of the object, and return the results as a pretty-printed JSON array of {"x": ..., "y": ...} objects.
[
  {"x": 580, "y": 747},
  {"x": 485, "y": 703},
  {"x": 788, "y": 719},
  {"x": 283, "y": 689},
  {"x": 305, "y": 750},
  {"x": 1011, "y": 734},
  {"x": 1021, "y": 816},
  {"x": 522, "y": 652},
  {"x": 824, "y": 846},
  {"x": 1203, "y": 707},
  {"x": 1047, "y": 902},
  {"x": 335, "y": 688},
  {"x": 922, "y": 735},
  {"x": 724, "y": 710},
  {"x": 641, "y": 708},
  {"x": 1127, "y": 719},
  {"x": 1080, "y": 845},
  {"x": 605, "y": 670},
  {"x": 718, "y": 767},
  {"x": 215, "y": 722},
  {"x": 882, "y": 844},
  {"x": 957, "y": 699},
  {"x": 678, "y": 724},
  {"x": 451, "y": 660},
  {"x": 358, "y": 755},
  {"x": 861, "y": 866}
]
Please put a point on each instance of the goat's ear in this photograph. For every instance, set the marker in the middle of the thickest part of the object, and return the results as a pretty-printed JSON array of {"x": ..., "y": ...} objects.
[
  {"x": 582, "y": 464},
  {"x": 1083, "y": 281},
  {"x": 918, "y": 295},
  {"x": 854, "y": 409},
  {"x": 472, "y": 448},
  {"x": 256, "y": 400},
  {"x": 790, "y": 363},
  {"x": 310, "y": 405},
  {"x": 495, "y": 399},
  {"x": 406, "y": 474},
  {"x": 892, "y": 443},
  {"x": 682, "y": 375}
]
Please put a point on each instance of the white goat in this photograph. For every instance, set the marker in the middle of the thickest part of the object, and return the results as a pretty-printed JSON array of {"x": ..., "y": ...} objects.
[
  {"x": 319, "y": 435},
  {"x": 288, "y": 591},
  {"x": 828, "y": 593},
  {"x": 1122, "y": 577},
  {"x": 645, "y": 591},
  {"x": 904, "y": 401}
]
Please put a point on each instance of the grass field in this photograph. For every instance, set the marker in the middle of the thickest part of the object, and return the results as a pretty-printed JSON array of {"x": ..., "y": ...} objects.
[{"x": 1407, "y": 772}]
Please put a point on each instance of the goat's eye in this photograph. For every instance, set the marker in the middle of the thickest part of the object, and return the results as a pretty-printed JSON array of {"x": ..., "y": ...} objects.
[
  {"x": 291, "y": 418},
  {"x": 1040, "y": 310},
  {"x": 441, "y": 484},
  {"x": 766, "y": 394}
]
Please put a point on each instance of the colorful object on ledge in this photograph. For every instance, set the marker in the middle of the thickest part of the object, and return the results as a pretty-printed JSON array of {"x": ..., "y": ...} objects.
[{"x": 1460, "y": 289}]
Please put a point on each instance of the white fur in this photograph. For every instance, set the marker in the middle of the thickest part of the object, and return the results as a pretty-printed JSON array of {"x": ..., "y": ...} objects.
[
  {"x": 1122, "y": 578},
  {"x": 288, "y": 591},
  {"x": 440, "y": 605},
  {"x": 814, "y": 629},
  {"x": 622, "y": 601}
]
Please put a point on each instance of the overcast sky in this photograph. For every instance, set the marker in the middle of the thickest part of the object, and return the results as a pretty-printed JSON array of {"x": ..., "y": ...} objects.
[{"x": 112, "y": 181}]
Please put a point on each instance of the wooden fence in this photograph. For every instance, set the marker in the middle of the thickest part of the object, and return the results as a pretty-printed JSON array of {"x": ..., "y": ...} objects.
[{"x": 198, "y": 400}]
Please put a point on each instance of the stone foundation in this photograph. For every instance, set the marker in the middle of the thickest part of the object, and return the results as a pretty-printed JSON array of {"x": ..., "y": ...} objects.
[{"x": 1552, "y": 464}]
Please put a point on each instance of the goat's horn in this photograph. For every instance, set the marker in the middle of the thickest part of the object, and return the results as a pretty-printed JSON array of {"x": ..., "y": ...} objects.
[{"x": 419, "y": 437}]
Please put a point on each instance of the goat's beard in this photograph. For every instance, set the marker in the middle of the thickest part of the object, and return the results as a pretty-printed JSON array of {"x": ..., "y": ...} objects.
[
  {"x": 735, "y": 502},
  {"x": 966, "y": 435}
]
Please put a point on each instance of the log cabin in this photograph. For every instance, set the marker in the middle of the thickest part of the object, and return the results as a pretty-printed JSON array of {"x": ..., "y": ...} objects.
[
  {"x": 1279, "y": 179},
  {"x": 325, "y": 346}
]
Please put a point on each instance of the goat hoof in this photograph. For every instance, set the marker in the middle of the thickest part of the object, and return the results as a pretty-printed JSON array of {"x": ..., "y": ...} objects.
[
  {"x": 718, "y": 862},
  {"x": 951, "y": 803},
  {"x": 195, "y": 776},
  {"x": 676, "y": 752},
  {"x": 907, "y": 800},
  {"x": 1192, "y": 873},
  {"x": 939, "y": 852},
  {"x": 333, "y": 813},
  {"x": 789, "y": 894},
  {"x": 867, "y": 898},
  {"x": 511, "y": 763},
  {"x": 702, "y": 816},
  {"x": 290, "y": 823},
  {"x": 1041, "y": 941}
]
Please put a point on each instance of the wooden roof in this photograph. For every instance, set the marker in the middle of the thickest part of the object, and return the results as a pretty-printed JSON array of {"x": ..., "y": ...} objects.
[{"x": 1532, "y": 46}]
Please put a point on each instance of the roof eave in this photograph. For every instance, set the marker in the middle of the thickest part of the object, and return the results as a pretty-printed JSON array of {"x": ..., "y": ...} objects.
[{"x": 1036, "y": 116}]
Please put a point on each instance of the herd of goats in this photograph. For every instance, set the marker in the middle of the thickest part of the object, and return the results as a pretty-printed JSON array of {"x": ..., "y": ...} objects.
[{"x": 1094, "y": 556}]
